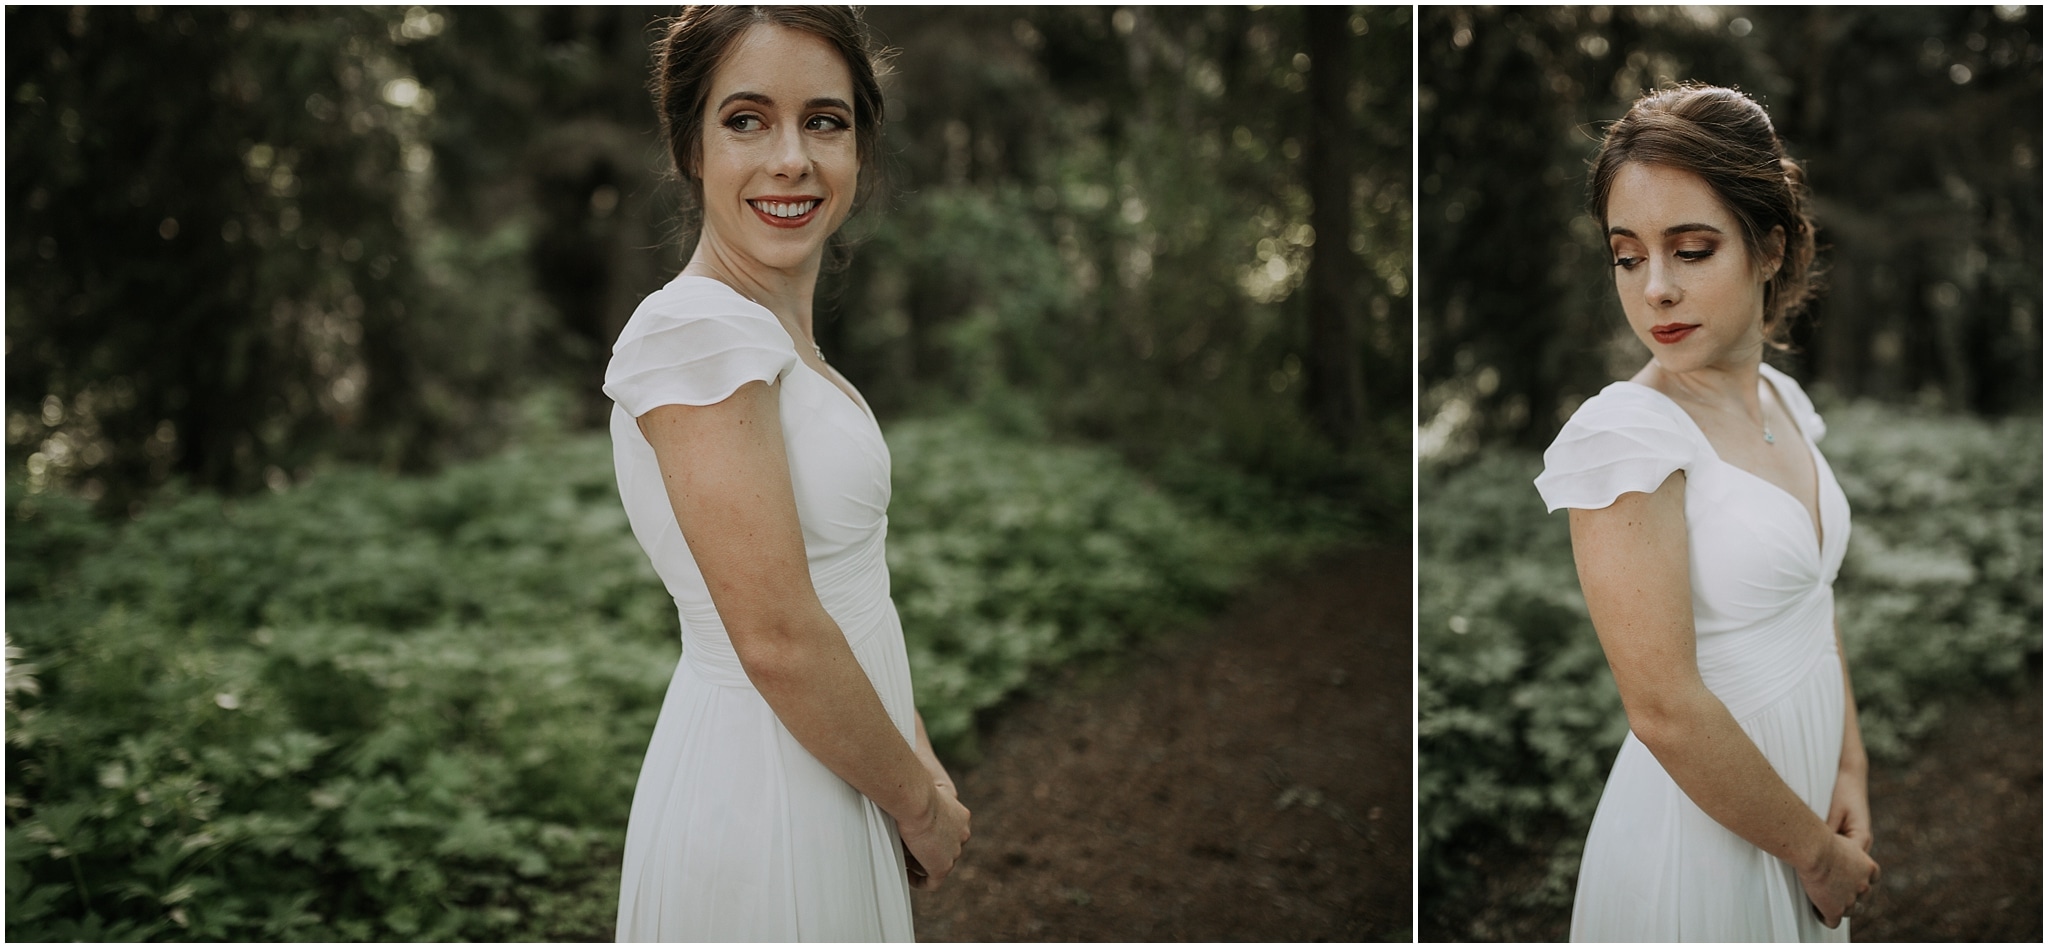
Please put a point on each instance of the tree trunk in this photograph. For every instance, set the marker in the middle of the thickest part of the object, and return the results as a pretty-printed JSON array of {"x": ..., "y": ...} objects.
[{"x": 1336, "y": 390}]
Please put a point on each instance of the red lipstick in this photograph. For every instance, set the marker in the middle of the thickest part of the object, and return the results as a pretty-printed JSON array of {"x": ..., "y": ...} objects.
[
  {"x": 1672, "y": 332},
  {"x": 763, "y": 206}
]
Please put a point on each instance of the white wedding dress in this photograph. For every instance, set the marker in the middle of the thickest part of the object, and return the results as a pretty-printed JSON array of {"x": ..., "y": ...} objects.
[
  {"x": 737, "y": 833},
  {"x": 1657, "y": 868}
]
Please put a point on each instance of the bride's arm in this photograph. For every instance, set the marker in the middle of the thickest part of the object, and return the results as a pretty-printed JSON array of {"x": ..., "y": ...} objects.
[
  {"x": 1849, "y": 810},
  {"x": 1633, "y": 566},
  {"x": 727, "y": 476},
  {"x": 930, "y": 758}
]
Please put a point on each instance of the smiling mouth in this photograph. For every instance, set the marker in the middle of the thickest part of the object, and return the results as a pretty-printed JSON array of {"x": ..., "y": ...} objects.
[
  {"x": 785, "y": 213},
  {"x": 1672, "y": 332}
]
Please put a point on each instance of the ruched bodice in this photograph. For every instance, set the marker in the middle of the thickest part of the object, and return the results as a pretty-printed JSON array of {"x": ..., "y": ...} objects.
[
  {"x": 737, "y": 832},
  {"x": 1656, "y": 867}
]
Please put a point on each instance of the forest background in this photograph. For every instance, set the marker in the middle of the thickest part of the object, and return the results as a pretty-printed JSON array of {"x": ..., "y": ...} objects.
[
  {"x": 323, "y": 618},
  {"x": 1920, "y": 132}
]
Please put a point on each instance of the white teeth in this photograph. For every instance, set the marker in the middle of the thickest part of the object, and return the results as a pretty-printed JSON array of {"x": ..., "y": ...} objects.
[{"x": 782, "y": 209}]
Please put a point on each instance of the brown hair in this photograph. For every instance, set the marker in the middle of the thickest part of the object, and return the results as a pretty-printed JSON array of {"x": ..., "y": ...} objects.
[
  {"x": 694, "y": 43},
  {"x": 1724, "y": 137}
]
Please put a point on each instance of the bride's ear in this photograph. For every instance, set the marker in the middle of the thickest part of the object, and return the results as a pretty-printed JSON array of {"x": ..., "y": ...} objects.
[{"x": 1774, "y": 252}]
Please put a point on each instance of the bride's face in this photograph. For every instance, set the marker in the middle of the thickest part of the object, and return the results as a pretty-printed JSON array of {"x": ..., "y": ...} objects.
[
  {"x": 1692, "y": 292},
  {"x": 778, "y": 159}
]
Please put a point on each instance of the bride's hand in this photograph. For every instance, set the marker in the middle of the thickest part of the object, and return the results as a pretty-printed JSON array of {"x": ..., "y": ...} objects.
[
  {"x": 932, "y": 845},
  {"x": 1839, "y": 879},
  {"x": 1849, "y": 810}
]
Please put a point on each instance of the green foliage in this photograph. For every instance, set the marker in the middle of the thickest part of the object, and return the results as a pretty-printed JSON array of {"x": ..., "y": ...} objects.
[
  {"x": 1942, "y": 584},
  {"x": 1007, "y": 559},
  {"x": 367, "y": 708},
  {"x": 1519, "y": 720},
  {"x": 978, "y": 257},
  {"x": 1106, "y": 228},
  {"x": 381, "y": 708}
]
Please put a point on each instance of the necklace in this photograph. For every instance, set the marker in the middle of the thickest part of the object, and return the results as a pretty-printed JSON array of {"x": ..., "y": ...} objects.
[
  {"x": 1764, "y": 424},
  {"x": 1769, "y": 438},
  {"x": 815, "y": 348}
]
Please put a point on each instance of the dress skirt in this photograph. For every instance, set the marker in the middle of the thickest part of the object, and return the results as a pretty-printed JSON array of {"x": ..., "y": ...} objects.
[
  {"x": 1659, "y": 869},
  {"x": 739, "y": 834}
]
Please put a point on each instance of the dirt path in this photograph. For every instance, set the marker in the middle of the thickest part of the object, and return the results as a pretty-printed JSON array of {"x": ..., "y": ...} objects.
[
  {"x": 1959, "y": 830},
  {"x": 1248, "y": 782},
  {"x": 1958, "y": 839}
]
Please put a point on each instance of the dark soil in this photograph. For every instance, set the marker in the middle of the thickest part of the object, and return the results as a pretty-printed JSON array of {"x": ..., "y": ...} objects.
[
  {"x": 1958, "y": 843},
  {"x": 1959, "y": 830},
  {"x": 1250, "y": 781}
]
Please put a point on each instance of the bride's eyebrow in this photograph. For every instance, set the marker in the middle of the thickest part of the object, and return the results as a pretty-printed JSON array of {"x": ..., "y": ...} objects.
[
  {"x": 1673, "y": 230},
  {"x": 766, "y": 101},
  {"x": 743, "y": 96}
]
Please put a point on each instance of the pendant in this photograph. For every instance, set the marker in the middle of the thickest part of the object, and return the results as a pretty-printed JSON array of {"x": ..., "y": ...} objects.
[{"x": 1767, "y": 437}]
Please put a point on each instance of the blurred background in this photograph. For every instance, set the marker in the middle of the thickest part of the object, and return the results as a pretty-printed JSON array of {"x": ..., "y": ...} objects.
[
  {"x": 323, "y": 620},
  {"x": 1920, "y": 131}
]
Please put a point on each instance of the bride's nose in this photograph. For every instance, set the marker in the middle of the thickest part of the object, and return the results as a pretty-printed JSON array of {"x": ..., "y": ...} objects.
[
  {"x": 1661, "y": 289},
  {"x": 791, "y": 158}
]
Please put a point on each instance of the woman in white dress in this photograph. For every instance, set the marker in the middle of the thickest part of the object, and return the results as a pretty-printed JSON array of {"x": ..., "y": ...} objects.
[
  {"x": 789, "y": 792},
  {"x": 1707, "y": 530}
]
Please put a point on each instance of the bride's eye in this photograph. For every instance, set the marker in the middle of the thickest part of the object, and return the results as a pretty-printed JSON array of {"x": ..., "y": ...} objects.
[
  {"x": 1626, "y": 262},
  {"x": 744, "y": 122},
  {"x": 825, "y": 123}
]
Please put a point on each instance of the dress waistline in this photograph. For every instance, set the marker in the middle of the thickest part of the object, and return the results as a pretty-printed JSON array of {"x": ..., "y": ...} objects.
[
  {"x": 1751, "y": 669},
  {"x": 855, "y": 595}
]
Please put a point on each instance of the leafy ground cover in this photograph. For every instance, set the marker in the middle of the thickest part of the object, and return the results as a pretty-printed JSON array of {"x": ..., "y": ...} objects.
[
  {"x": 1939, "y": 601},
  {"x": 383, "y": 708}
]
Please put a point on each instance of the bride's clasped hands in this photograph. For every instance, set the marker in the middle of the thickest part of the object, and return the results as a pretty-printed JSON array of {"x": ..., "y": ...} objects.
[
  {"x": 1838, "y": 877},
  {"x": 1842, "y": 873},
  {"x": 933, "y": 835},
  {"x": 934, "y": 842}
]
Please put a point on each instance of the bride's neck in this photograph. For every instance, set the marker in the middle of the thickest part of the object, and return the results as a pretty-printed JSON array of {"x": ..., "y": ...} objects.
[
  {"x": 787, "y": 294},
  {"x": 1729, "y": 385}
]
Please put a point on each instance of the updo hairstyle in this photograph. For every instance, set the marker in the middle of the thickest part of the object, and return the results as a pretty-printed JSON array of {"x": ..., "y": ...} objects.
[
  {"x": 1724, "y": 137},
  {"x": 697, "y": 40}
]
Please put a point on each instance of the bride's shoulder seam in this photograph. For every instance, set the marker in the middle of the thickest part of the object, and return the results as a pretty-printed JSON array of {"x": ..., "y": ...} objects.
[
  {"x": 1622, "y": 397},
  {"x": 1785, "y": 382},
  {"x": 696, "y": 299},
  {"x": 1628, "y": 407}
]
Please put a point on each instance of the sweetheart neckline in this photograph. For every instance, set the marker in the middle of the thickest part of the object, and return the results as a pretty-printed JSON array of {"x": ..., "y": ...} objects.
[
  {"x": 1819, "y": 513},
  {"x": 846, "y": 391}
]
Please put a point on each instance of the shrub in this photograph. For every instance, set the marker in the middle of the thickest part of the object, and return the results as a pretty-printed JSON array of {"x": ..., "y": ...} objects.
[
  {"x": 1007, "y": 558},
  {"x": 383, "y": 708},
  {"x": 366, "y": 708}
]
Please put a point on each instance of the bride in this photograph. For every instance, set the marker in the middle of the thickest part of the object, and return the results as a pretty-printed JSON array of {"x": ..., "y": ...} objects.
[
  {"x": 789, "y": 792},
  {"x": 1708, "y": 529}
]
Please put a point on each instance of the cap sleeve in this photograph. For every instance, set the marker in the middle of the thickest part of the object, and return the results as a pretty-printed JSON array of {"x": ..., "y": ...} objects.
[
  {"x": 1620, "y": 440},
  {"x": 694, "y": 349},
  {"x": 1796, "y": 403}
]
